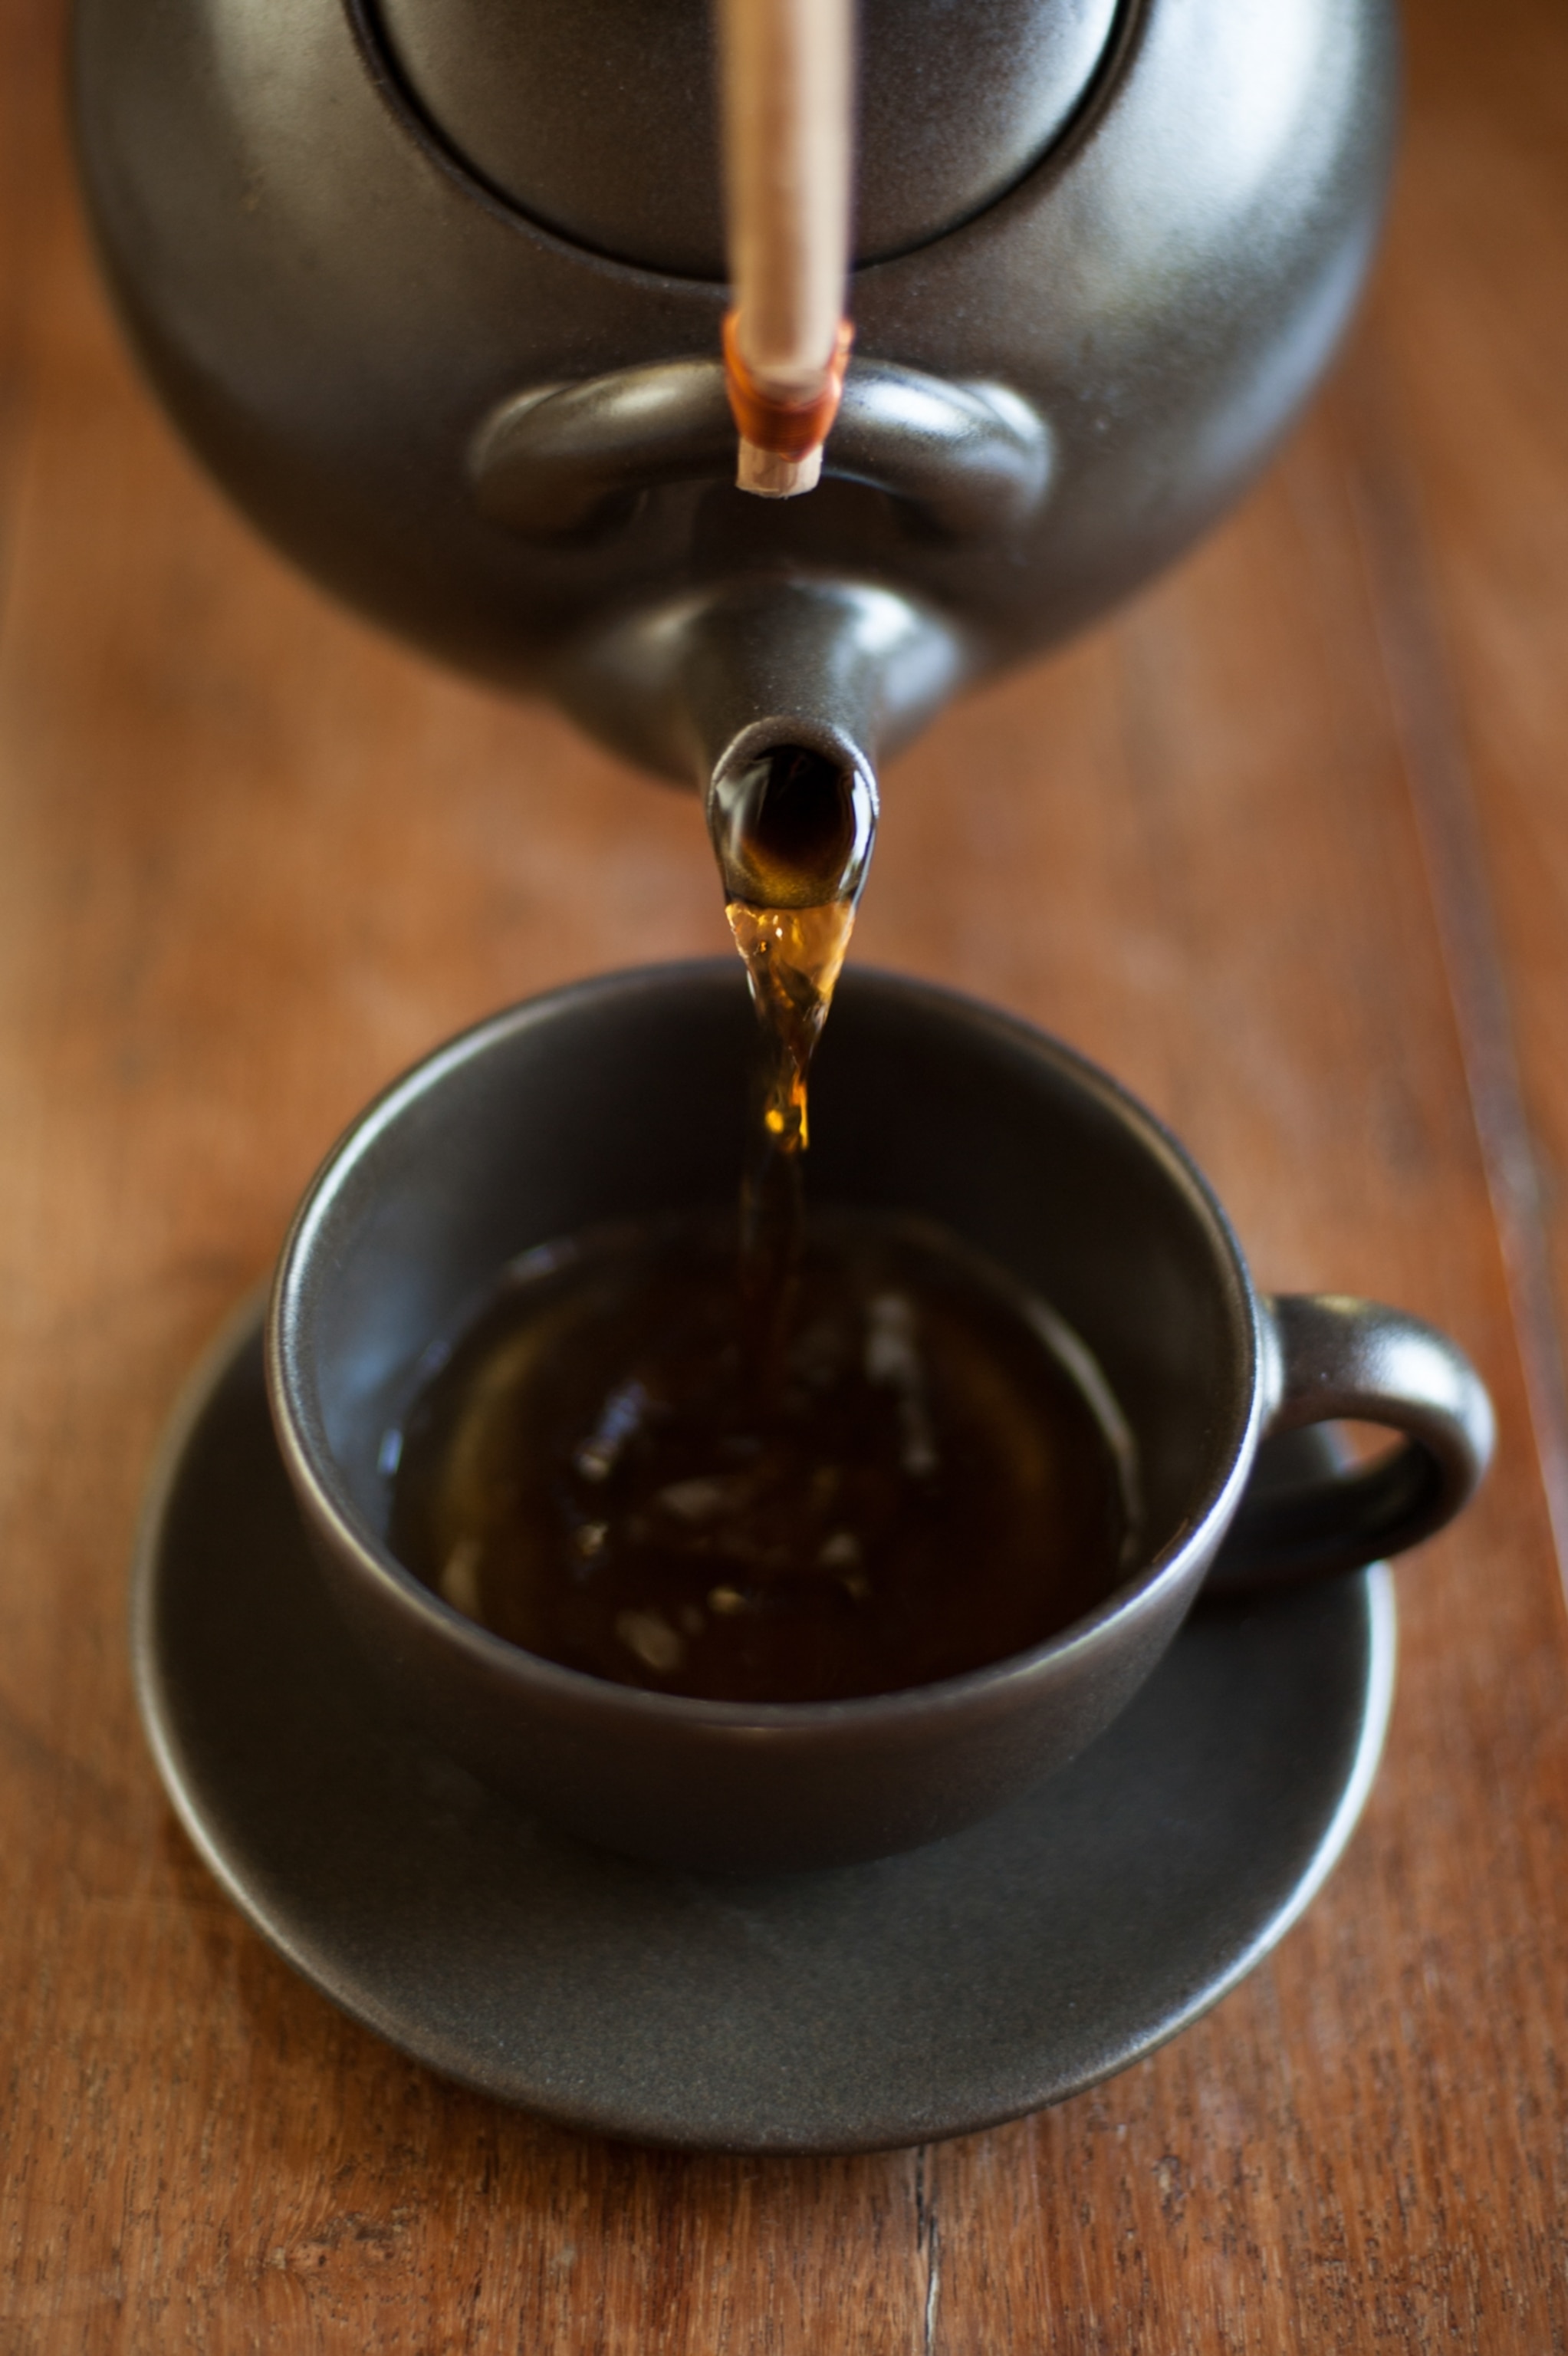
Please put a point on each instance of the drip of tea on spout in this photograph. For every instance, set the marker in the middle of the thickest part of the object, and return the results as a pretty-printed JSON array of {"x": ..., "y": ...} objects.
[{"x": 792, "y": 833}]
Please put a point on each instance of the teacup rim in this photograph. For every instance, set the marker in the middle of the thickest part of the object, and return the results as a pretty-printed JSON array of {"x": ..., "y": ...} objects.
[{"x": 338, "y": 1519}]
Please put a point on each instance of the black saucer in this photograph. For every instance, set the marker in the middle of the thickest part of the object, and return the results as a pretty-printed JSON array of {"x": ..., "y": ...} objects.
[{"x": 877, "y": 2005}]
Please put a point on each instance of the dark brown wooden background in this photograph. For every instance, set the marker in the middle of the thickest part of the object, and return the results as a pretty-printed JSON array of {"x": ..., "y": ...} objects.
[{"x": 1284, "y": 847}]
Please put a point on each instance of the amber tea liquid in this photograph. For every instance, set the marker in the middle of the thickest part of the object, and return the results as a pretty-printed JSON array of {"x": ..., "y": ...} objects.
[
  {"x": 785, "y": 1465},
  {"x": 793, "y": 835},
  {"x": 928, "y": 1486}
]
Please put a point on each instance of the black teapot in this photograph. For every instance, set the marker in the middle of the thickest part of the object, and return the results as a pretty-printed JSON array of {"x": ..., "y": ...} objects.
[{"x": 435, "y": 288}]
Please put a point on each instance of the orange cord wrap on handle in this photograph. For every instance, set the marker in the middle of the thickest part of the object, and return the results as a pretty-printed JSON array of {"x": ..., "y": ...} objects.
[{"x": 788, "y": 429}]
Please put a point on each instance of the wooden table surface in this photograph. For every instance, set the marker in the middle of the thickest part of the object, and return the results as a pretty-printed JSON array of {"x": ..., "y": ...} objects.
[{"x": 1287, "y": 847}]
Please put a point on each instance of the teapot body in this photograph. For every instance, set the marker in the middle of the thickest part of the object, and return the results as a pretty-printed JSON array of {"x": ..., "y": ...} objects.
[{"x": 337, "y": 304}]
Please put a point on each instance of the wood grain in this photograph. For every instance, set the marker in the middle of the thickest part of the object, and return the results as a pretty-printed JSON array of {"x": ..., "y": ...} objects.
[
  {"x": 1466, "y": 366},
  {"x": 255, "y": 860}
]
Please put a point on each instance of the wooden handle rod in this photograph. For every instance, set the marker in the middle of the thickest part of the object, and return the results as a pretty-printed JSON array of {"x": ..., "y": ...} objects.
[{"x": 787, "y": 70}]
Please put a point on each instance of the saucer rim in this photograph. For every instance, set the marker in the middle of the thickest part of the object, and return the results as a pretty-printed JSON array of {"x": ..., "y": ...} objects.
[{"x": 243, "y": 1328}]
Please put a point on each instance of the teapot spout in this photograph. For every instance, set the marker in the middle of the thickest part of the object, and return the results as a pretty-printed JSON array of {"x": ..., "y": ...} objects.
[{"x": 706, "y": 685}]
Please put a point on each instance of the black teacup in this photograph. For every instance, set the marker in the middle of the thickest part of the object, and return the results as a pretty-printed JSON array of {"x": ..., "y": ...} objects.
[{"x": 623, "y": 1097}]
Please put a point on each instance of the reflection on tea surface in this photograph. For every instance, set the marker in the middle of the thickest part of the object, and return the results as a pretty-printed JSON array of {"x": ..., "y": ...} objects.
[{"x": 922, "y": 1483}]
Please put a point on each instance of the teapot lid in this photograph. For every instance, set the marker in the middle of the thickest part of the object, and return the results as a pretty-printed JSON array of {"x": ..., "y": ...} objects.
[{"x": 599, "y": 118}]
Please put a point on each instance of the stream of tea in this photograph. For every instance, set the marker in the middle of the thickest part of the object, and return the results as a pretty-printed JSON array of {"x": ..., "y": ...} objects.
[
  {"x": 827, "y": 1458},
  {"x": 793, "y": 835}
]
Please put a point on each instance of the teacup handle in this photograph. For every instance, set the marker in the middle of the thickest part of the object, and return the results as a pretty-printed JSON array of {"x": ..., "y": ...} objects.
[{"x": 1353, "y": 1359}]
